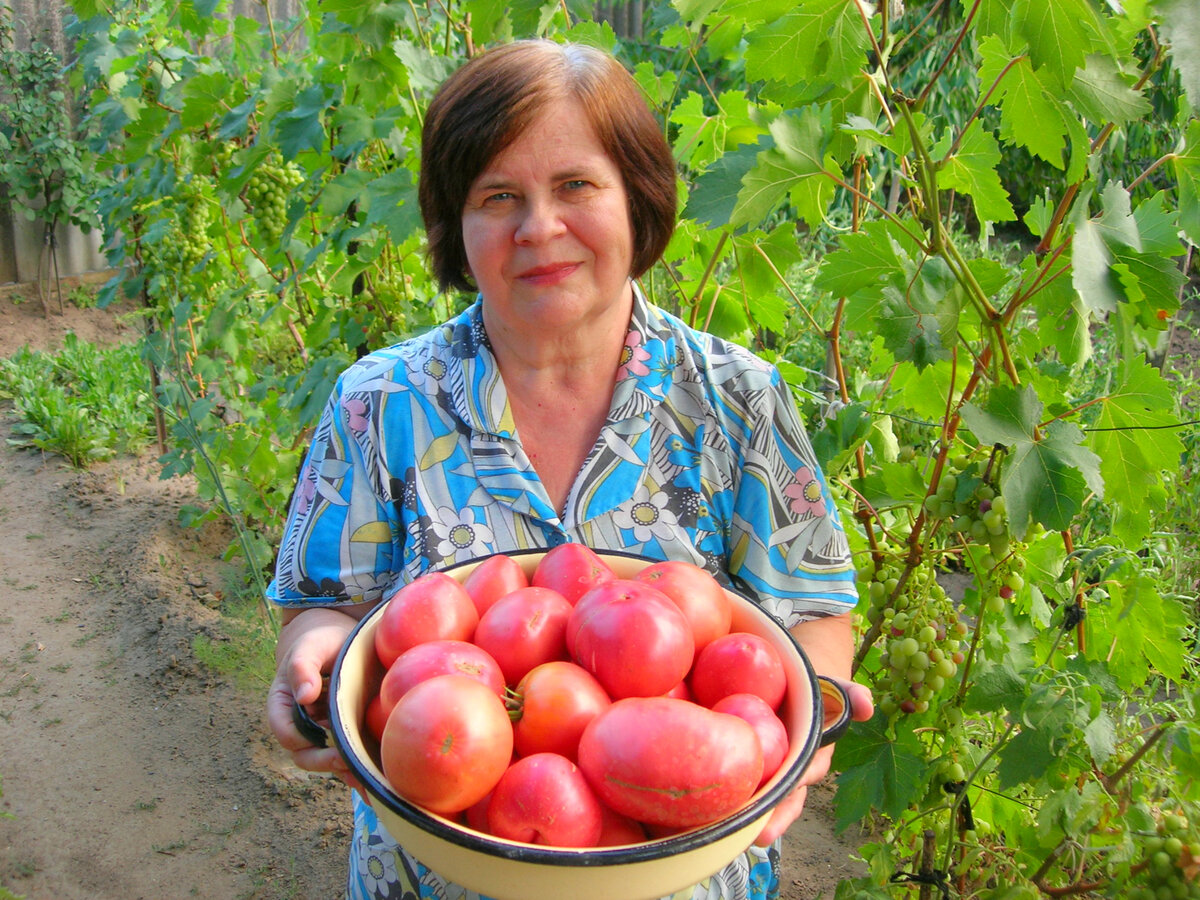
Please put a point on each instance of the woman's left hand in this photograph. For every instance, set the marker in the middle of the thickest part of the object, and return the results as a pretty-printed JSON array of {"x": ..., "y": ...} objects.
[{"x": 790, "y": 807}]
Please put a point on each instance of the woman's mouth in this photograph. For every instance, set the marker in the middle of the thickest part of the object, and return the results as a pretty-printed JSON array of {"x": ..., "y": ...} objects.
[{"x": 551, "y": 273}]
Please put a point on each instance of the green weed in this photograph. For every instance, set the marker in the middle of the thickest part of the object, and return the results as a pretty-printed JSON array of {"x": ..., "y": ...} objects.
[{"x": 85, "y": 403}]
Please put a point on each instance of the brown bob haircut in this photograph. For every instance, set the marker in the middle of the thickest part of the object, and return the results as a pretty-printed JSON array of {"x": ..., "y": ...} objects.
[{"x": 482, "y": 108}]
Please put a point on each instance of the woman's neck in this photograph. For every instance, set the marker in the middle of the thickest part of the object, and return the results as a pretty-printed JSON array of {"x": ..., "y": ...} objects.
[{"x": 560, "y": 387}]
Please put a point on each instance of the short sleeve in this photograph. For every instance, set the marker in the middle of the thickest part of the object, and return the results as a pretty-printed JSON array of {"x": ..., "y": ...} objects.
[{"x": 338, "y": 541}]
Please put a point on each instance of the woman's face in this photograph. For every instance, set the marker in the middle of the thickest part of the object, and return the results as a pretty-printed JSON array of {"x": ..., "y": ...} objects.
[{"x": 546, "y": 227}]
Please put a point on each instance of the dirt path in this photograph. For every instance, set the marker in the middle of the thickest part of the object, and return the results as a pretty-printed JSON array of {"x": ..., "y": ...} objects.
[{"x": 128, "y": 769}]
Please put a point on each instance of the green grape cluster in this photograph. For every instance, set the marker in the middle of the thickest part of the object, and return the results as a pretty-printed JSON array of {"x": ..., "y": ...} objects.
[
  {"x": 1172, "y": 862},
  {"x": 923, "y": 637},
  {"x": 176, "y": 233},
  {"x": 194, "y": 215},
  {"x": 1003, "y": 581},
  {"x": 974, "y": 509},
  {"x": 267, "y": 192}
]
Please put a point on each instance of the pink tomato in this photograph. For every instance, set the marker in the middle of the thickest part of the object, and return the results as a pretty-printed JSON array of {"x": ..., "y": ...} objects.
[
  {"x": 424, "y": 661},
  {"x": 632, "y": 638},
  {"x": 544, "y": 799},
  {"x": 492, "y": 579},
  {"x": 525, "y": 629},
  {"x": 772, "y": 733},
  {"x": 431, "y": 607},
  {"x": 670, "y": 763},
  {"x": 572, "y": 570},
  {"x": 739, "y": 662},
  {"x": 552, "y": 705},
  {"x": 446, "y": 743},
  {"x": 697, "y": 594}
]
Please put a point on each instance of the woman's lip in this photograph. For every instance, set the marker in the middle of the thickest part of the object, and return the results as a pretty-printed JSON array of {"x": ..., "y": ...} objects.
[{"x": 548, "y": 274}]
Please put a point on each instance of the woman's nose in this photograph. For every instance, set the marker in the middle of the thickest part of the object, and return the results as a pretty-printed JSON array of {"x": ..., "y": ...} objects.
[{"x": 539, "y": 220}]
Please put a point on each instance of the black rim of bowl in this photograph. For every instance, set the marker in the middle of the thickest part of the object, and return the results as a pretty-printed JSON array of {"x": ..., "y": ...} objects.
[{"x": 568, "y": 856}]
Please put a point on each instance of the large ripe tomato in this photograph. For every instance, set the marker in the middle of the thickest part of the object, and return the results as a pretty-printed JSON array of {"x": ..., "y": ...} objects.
[
  {"x": 572, "y": 570},
  {"x": 544, "y": 799},
  {"x": 424, "y": 661},
  {"x": 492, "y": 579},
  {"x": 671, "y": 763},
  {"x": 738, "y": 663},
  {"x": 525, "y": 629},
  {"x": 446, "y": 743},
  {"x": 772, "y": 733},
  {"x": 554, "y": 702},
  {"x": 632, "y": 638},
  {"x": 695, "y": 591},
  {"x": 431, "y": 607}
]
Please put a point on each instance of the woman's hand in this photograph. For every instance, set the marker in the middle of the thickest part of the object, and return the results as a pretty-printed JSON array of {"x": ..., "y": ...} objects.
[
  {"x": 789, "y": 808},
  {"x": 309, "y": 643}
]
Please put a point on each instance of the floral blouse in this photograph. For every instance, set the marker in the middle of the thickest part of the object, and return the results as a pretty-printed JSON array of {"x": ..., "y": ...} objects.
[{"x": 417, "y": 464}]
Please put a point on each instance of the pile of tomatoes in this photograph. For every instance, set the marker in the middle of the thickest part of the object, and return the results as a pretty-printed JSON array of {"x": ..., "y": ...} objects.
[{"x": 572, "y": 707}]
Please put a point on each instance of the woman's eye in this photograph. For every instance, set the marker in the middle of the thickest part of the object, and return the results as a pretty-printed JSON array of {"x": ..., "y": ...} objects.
[{"x": 499, "y": 197}]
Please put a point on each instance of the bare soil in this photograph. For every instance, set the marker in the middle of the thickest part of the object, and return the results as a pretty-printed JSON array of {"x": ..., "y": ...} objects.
[{"x": 128, "y": 769}]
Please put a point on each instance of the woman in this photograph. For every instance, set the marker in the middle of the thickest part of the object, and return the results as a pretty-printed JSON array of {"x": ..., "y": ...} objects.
[{"x": 559, "y": 407}]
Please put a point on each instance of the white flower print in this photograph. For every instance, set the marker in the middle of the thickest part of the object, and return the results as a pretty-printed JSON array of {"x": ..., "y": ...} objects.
[
  {"x": 378, "y": 871},
  {"x": 459, "y": 536},
  {"x": 425, "y": 373},
  {"x": 647, "y": 515}
]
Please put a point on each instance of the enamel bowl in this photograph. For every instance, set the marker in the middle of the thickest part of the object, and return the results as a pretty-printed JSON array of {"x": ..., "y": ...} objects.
[{"x": 815, "y": 712}]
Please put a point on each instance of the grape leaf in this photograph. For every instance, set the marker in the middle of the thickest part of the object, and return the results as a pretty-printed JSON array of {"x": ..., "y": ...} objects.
[
  {"x": 1157, "y": 226},
  {"x": 1092, "y": 272},
  {"x": 1102, "y": 93},
  {"x": 818, "y": 40},
  {"x": 1063, "y": 322},
  {"x": 1058, "y": 34},
  {"x": 972, "y": 170},
  {"x": 878, "y": 771},
  {"x": 1026, "y": 757},
  {"x": 1137, "y": 631},
  {"x": 997, "y": 688},
  {"x": 715, "y": 192},
  {"x": 1047, "y": 475},
  {"x": 301, "y": 127},
  {"x": 394, "y": 204},
  {"x": 697, "y": 142},
  {"x": 840, "y": 435},
  {"x": 865, "y": 258},
  {"x": 991, "y": 16},
  {"x": 795, "y": 167},
  {"x": 919, "y": 322},
  {"x": 1101, "y": 737},
  {"x": 1029, "y": 114},
  {"x": 206, "y": 95},
  {"x": 892, "y": 485}
]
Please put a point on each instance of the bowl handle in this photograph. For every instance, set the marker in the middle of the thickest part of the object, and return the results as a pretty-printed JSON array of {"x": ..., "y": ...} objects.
[
  {"x": 313, "y": 731},
  {"x": 835, "y": 702}
]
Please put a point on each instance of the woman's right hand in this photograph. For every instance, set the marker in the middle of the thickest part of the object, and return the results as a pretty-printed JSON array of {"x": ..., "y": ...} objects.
[{"x": 309, "y": 642}]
